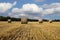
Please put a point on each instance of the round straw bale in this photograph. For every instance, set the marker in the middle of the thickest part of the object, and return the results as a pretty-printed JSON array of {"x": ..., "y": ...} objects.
[
  {"x": 9, "y": 20},
  {"x": 50, "y": 21},
  {"x": 24, "y": 20},
  {"x": 40, "y": 21}
]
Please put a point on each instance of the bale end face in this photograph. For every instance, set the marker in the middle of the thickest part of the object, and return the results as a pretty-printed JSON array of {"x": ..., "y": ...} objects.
[
  {"x": 40, "y": 21},
  {"x": 9, "y": 20},
  {"x": 24, "y": 21}
]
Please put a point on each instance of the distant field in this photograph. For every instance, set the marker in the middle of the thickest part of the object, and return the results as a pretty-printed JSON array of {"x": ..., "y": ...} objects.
[{"x": 30, "y": 31}]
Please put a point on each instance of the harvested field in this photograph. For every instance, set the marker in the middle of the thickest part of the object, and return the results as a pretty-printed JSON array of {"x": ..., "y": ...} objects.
[{"x": 30, "y": 31}]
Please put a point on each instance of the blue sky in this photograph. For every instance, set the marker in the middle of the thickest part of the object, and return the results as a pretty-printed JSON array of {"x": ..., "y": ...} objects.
[
  {"x": 46, "y": 9},
  {"x": 21, "y": 2}
]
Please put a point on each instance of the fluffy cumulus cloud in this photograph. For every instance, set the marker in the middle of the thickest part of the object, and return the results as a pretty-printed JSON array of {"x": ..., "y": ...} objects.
[
  {"x": 52, "y": 8},
  {"x": 52, "y": 5},
  {"x": 5, "y": 6},
  {"x": 27, "y": 10},
  {"x": 35, "y": 11},
  {"x": 48, "y": 11},
  {"x": 17, "y": 10},
  {"x": 32, "y": 8}
]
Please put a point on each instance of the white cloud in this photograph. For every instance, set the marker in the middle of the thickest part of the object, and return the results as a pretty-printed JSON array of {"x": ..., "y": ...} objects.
[
  {"x": 16, "y": 10},
  {"x": 52, "y": 5},
  {"x": 5, "y": 6},
  {"x": 22, "y": 14},
  {"x": 26, "y": 8},
  {"x": 36, "y": 17},
  {"x": 57, "y": 9},
  {"x": 33, "y": 8},
  {"x": 30, "y": 10},
  {"x": 48, "y": 11},
  {"x": 51, "y": 8}
]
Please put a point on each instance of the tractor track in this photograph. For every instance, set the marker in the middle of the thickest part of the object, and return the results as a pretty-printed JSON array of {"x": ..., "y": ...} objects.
[{"x": 25, "y": 33}]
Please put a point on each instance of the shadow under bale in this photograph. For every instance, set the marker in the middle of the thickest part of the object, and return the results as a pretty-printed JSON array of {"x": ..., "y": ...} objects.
[
  {"x": 24, "y": 20},
  {"x": 50, "y": 21}
]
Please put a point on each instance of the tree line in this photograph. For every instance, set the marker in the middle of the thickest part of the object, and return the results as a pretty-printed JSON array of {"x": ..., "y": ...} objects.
[{"x": 2, "y": 18}]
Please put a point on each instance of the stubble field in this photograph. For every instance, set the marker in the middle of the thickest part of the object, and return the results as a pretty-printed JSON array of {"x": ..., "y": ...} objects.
[{"x": 30, "y": 31}]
